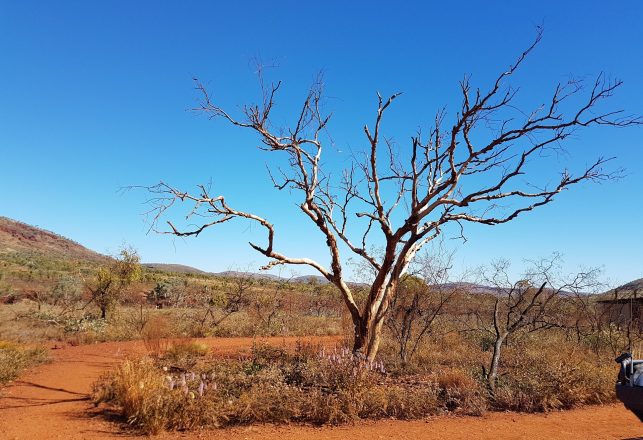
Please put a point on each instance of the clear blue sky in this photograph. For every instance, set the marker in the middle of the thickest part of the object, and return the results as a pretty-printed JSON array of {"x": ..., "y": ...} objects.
[{"x": 95, "y": 96}]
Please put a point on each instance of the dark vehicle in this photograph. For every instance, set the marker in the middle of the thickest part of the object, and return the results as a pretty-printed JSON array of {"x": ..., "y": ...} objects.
[{"x": 629, "y": 385}]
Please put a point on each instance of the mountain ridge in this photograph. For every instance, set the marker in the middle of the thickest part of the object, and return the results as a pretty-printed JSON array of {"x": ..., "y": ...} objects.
[{"x": 18, "y": 236}]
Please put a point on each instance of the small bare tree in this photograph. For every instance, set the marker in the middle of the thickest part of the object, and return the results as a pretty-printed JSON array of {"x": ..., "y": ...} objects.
[
  {"x": 322, "y": 299},
  {"x": 475, "y": 169},
  {"x": 230, "y": 299},
  {"x": 421, "y": 298},
  {"x": 532, "y": 304},
  {"x": 67, "y": 293},
  {"x": 167, "y": 293},
  {"x": 269, "y": 301}
]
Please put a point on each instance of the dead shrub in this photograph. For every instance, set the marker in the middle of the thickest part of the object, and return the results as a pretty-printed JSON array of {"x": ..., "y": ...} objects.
[
  {"x": 180, "y": 348},
  {"x": 184, "y": 353},
  {"x": 155, "y": 335},
  {"x": 141, "y": 394}
]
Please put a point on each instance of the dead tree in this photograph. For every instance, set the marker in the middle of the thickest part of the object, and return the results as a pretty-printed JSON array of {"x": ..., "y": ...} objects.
[
  {"x": 474, "y": 169},
  {"x": 532, "y": 304},
  {"x": 269, "y": 303},
  {"x": 614, "y": 322},
  {"x": 230, "y": 299}
]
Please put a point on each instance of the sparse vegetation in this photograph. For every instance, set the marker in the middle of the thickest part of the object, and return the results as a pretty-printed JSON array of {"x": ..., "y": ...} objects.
[
  {"x": 311, "y": 385},
  {"x": 15, "y": 358},
  {"x": 436, "y": 349},
  {"x": 318, "y": 385},
  {"x": 550, "y": 373},
  {"x": 390, "y": 277}
]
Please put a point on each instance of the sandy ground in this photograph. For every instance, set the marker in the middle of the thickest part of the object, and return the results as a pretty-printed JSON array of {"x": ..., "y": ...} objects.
[{"x": 51, "y": 402}]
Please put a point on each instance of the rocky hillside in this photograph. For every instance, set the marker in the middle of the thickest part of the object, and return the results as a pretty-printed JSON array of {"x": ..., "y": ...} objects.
[{"x": 20, "y": 237}]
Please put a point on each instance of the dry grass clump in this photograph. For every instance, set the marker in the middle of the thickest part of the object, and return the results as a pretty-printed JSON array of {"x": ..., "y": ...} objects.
[
  {"x": 461, "y": 393},
  {"x": 311, "y": 385},
  {"x": 155, "y": 335},
  {"x": 141, "y": 394},
  {"x": 550, "y": 371},
  {"x": 553, "y": 375},
  {"x": 186, "y": 348},
  {"x": 15, "y": 358}
]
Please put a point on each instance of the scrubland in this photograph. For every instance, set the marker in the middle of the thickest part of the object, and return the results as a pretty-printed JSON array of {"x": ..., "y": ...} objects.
[{"x": 180, "y": 384}]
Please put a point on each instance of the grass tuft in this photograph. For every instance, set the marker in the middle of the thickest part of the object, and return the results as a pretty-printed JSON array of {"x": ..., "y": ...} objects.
[{"x": 15, "y": 358}]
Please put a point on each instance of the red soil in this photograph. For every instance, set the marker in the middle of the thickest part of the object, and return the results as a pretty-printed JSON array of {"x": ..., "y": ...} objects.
[{"x": 51, "y": 402}]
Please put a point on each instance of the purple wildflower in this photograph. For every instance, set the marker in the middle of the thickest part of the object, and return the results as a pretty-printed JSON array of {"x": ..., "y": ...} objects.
[{"x": 201, "y": 388}]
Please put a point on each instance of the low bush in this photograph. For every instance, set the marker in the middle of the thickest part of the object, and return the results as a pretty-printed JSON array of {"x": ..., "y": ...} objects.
[
  {"x": 15, "y": 358},
  {"x": 155, "y": 335},
  {"x": 311, "y": 385},
  {"x": 184, "y": 353},
  {"x": 551, "y": 375},
  {"x": 461, "y": 392},
  {"x": 184, "y": 388}
]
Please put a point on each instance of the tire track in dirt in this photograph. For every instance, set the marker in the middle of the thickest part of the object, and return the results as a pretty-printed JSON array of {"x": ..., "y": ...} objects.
[{"x": 51, "y": 402}]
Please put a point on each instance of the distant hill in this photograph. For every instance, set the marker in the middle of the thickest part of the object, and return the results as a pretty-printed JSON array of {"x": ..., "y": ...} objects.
[
  {"x": 16, "y": 236},
  {"x": 632, "y": 286},
  {"x": 633, "y": 289},
  {"x": 310, "y": 279},
  {"x": 238, "y": 274},
  {"x": 472, "y": 288},
  {"x": 19, "y": 237},
  {"x": 175, "y": 268}
]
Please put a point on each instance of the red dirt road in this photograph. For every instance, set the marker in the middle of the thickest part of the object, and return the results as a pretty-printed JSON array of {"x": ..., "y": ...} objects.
[{"x": 50, "y": 402}]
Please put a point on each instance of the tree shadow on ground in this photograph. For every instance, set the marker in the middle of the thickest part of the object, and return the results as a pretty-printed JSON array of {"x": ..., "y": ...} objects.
[{"x": 25, "y": 402}]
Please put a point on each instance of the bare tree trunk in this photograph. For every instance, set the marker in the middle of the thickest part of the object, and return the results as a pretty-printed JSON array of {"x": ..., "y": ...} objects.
[
  {"x": 368, "y": 325},
  {"x": 404, "y": 345},
  {"x": 492, "y": 376},
  {"x": 367, "y": 338},
  {"x": 362, "y": 336},
  {"x": 374, "y": 342},
  {"x": 365, "y": 334}
]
